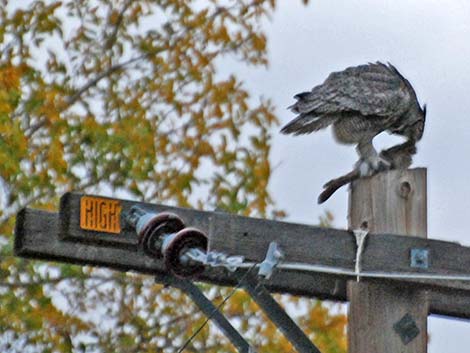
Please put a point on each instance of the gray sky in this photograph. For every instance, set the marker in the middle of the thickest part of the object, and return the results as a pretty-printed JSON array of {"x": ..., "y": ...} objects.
[{"x": 429, "y": 42}]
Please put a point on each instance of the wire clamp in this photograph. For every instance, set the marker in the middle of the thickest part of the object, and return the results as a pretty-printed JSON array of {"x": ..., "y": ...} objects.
[
  {"x": 273, "y": 256},
  {"x": 214, "y": 259}
]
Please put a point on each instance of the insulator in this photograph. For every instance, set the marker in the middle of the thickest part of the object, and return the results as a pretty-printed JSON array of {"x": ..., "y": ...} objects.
[
  {"x": 174, "y": 249},
  {"x": 151, "y": 229}
]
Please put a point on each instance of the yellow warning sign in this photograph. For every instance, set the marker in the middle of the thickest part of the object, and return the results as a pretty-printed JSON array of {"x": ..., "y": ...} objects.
[{"x": 99, "y": 214}]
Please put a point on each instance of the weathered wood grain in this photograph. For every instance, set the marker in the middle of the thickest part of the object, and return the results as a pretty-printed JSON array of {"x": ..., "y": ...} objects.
[
  {"x": 37, "y": 236},
  {"x": 393, "y": 202},
  {"x": 250, "y": 237},
  {"x": 373, "y": 310}
]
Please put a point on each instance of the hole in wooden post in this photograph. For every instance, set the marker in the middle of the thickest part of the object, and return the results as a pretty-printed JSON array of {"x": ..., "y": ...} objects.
[
  {"x": 405, "y": 189},
  {"x": 364, "y": 225}
]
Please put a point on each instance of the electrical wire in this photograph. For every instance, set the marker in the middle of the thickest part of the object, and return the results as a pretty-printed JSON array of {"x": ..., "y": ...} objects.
[
  {"x": 357, "y": 272},
  {"x": 299, "y": 266}
]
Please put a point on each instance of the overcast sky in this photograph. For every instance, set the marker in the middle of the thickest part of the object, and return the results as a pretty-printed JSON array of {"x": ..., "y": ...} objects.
[{"x": 429, "y": 42}]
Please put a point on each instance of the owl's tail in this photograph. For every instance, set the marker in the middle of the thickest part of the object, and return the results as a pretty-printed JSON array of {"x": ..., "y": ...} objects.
[{"x": 306, "y": 123}]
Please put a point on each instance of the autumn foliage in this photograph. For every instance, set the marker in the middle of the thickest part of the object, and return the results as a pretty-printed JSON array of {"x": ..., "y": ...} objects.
[{"x": 125, "y": 98}]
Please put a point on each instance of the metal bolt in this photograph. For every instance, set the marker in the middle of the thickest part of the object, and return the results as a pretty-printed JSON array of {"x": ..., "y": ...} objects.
[{"x": 419, "y": 258}]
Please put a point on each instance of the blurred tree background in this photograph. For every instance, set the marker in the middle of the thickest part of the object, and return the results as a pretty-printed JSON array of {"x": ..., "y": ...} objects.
[{"x": 124, "y": 98}]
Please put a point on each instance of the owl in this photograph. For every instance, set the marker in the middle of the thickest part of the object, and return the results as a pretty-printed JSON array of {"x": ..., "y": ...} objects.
[{"x": 359, "y": 103}]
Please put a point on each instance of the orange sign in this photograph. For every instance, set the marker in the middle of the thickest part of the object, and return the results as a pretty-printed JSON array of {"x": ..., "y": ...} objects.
[{"x": 99, "y": 214}]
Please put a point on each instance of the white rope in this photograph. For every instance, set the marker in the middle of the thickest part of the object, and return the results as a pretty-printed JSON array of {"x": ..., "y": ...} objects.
[{"x": 360, "y": 235}]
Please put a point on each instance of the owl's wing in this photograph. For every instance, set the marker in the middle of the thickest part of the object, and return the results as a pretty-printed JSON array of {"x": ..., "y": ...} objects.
[{"x": 373, "y": 89}]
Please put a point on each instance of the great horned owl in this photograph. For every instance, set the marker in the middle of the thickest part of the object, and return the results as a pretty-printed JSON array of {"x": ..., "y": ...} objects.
[{"x": 361, "y": 102}]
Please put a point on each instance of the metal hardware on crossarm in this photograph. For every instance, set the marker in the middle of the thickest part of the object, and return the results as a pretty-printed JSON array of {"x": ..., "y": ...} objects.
[{"x": 214, "y": 259}]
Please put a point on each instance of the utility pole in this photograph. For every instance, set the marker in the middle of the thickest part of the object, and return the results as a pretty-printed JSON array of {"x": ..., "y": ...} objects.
[
  {"x": 388, "y": 317},
  {"x": 403, "y": 276}
]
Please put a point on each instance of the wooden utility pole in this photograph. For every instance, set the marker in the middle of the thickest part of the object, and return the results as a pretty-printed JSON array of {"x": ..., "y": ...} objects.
[
  {"x": 403, "y": 278},
  {"x": 388, "y": 317}
]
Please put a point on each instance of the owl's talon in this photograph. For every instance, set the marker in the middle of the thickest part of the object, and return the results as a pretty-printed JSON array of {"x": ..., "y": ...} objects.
[
  {"x": 372, "y": 165},
  {"x": 382, "y": 164}
]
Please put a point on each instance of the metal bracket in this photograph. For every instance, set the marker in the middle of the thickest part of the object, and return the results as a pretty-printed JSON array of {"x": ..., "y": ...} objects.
[
  {"x": 273, "y": 256},
  {"x": 277, "y": 314},
  {"x": 419, "y": 258},
  {"x": 209, "y": 309}
]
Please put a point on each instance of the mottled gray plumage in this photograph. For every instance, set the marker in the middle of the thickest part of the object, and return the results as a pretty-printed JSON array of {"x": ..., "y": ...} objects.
[{"x": 361, "y": 102}]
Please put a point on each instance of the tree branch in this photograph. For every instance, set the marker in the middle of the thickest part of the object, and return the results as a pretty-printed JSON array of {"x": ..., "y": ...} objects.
[
  {"x": 113, "y": 36},
  {"x": 93, "y": 82}
]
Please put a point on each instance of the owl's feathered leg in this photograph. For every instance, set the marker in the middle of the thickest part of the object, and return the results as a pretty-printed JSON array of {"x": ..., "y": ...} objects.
[{"x": 370, "y": 162}]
